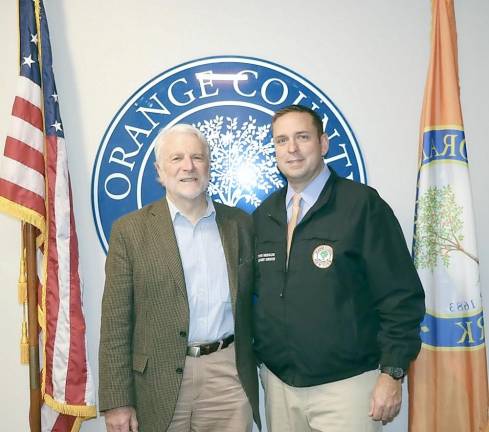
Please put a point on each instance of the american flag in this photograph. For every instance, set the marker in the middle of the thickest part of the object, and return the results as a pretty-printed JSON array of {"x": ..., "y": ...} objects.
[{"x": 35, "y": 188}]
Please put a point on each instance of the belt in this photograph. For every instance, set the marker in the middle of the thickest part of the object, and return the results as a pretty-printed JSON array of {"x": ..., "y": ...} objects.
[{"x": 209, "y": 348}]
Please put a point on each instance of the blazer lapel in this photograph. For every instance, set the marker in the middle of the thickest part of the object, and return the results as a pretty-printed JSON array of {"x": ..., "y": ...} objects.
[
  {"x": 229, "y": 237},
  {"x": 166, "y": 242}
]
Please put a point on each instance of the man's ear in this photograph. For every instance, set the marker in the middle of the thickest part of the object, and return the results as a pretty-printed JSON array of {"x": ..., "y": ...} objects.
[
  {"x": 160, "y": 177},
  {"x": 323, "y": 139}
]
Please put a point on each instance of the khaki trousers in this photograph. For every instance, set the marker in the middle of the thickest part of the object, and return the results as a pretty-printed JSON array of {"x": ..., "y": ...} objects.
[
  {"x": 340, "y": 406},
  {"x": 211, "y": 398}
]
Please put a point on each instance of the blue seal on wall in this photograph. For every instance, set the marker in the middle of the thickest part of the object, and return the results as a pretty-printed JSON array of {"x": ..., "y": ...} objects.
[{"x": 231, "y": 100}]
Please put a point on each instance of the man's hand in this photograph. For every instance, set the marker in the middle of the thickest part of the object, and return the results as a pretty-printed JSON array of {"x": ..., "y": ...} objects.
[
  {"x": 121, "y": 419},
  {"x": 386, "y": 399}
]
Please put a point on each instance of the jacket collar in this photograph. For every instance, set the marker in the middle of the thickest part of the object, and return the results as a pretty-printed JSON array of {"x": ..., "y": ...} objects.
[
  {"x": 277, "y": 211},
  {"x": 324, "y": 196}
]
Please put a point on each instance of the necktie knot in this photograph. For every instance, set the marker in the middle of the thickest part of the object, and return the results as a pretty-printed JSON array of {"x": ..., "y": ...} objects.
[{"x": 296, "y": 208}]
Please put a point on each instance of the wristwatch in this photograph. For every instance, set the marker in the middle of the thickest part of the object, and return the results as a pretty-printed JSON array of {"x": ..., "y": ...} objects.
[{"x": 395, "y": 372}]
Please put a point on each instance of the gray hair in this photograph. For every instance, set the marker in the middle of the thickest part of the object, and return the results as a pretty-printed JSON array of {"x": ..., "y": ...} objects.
[{"x": 182, "y": 128}]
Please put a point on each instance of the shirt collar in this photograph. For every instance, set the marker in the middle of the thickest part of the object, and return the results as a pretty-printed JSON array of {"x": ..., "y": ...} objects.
[
  {"x": 312, "y": 191},
  {"x": 174, "y": 211}
]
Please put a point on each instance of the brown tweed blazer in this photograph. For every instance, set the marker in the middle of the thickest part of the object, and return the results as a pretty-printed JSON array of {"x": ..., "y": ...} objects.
[{"x": 145, "y": 315}]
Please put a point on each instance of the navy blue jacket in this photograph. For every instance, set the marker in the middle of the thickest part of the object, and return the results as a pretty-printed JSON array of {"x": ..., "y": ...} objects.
[{"x": 320, "y": 322}]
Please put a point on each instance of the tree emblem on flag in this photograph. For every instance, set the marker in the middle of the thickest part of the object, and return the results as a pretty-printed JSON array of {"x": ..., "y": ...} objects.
[
  {"x": 242, "y": 160},
  {"x": 439, "y": 228}
]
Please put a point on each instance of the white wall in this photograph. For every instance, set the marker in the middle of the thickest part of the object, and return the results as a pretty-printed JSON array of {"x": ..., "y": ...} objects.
[{"x": 369, "y": 57}]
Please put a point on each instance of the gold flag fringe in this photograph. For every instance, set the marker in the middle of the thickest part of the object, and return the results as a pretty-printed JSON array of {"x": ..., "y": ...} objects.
[{"x": 24, "y": 344}]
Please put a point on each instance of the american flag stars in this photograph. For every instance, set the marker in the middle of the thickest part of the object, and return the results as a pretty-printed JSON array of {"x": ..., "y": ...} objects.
[
  {"x": 57, "y": 125},
  {"x": 28, "y": 61}
]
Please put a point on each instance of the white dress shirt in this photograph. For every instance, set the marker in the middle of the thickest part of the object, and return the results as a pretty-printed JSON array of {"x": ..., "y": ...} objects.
[{"x": 206, "y": 275}]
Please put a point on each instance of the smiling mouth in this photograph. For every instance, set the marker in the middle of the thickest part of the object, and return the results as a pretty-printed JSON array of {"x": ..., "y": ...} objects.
[{"x": 187, "y": 180}]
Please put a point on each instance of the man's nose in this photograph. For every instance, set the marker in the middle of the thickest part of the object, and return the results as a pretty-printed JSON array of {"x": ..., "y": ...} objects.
[
  {"x": 188, "y": 163},
  {"x": 291, "y": 145}
]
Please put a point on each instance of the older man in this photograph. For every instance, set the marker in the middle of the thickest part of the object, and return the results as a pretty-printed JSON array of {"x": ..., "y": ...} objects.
[
  {"x": 175, "y": 346},
  {"x": 337, "y": 293}
]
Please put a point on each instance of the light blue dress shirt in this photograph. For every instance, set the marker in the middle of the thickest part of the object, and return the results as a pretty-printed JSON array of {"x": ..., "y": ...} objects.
[
  {"x": 309, "y": 195},
  {"x": 206, "y": 276}
]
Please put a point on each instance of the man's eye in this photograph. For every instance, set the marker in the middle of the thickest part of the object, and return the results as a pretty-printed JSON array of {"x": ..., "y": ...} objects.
[
  {"x": 303, "y": 137},
  {"x": 176, "y": 158},
  {"x": 280, "y": 140}
]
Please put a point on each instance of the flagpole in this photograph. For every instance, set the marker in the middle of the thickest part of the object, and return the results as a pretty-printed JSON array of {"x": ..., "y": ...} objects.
[{"x": 33, "y": 329}]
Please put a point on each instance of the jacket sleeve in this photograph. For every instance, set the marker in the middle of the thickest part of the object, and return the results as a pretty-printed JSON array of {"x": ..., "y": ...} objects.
[
  {"x": 116, "y": 387},
  {"x": 394, "y": 283}
]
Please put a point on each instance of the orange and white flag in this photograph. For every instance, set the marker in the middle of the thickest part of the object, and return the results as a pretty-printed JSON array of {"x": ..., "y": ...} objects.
[{"x": 448, "y": 382}]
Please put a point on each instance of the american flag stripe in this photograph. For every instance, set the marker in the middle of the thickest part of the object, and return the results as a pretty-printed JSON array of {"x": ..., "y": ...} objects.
[
  {"x": 54, "y": 422},
  {"x": 29, "y": 91},
  {"x": 35, "y": 186},
  {"x": 23, "y": 131},
  {"x": 22, "y": 197},
  {"x": 22, "y": 153},
  {"x": 28, "y": 112},
  {"x": 63, "y": 423},
  {"x": 77, "y": 371},
  {"x": 56, "y": 361},
  {"x": 59, "y": 276},
  {"x": 23, "y": 176}
]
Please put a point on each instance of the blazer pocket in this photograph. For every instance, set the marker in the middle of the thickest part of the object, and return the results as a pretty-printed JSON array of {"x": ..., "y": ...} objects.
[{"x": 139, "y": 362}]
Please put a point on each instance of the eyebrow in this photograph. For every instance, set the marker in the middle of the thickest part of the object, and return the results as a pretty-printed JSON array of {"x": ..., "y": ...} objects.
[{"x": 296, "y": 133}]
